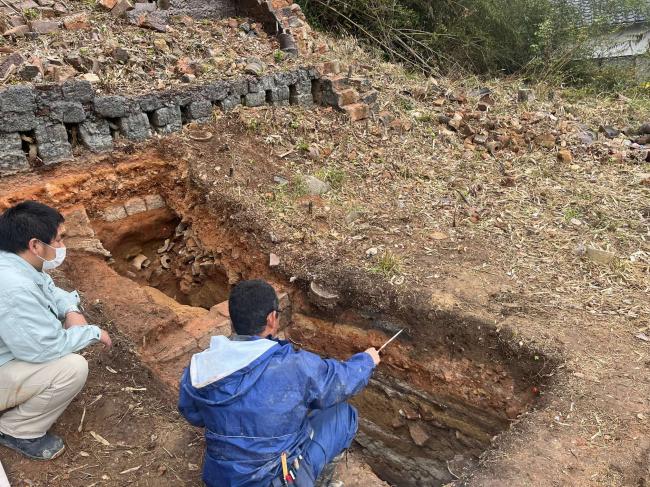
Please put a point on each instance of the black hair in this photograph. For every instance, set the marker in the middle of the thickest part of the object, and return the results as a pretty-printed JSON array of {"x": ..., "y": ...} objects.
[
  {"x": 249, "y": 304},
  {"x": 25, "y": 221}
]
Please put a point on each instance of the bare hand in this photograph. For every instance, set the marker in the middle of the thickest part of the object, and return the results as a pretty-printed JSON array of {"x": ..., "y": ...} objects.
[
  {"x": 73, "y": 318},
  {"x": 106, "y": 340},
  {"x": 372, "y": 351}
]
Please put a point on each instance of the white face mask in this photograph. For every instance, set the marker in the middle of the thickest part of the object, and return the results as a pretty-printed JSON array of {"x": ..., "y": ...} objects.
[{"x": 58, "y": 258}]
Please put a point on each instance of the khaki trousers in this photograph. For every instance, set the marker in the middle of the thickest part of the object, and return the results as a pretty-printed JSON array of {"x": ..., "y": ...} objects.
[{"x": 35, "y": 395}]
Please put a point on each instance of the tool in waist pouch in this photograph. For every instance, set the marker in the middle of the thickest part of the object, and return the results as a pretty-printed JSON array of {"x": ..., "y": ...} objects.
[{"x": 288, "y": 477}]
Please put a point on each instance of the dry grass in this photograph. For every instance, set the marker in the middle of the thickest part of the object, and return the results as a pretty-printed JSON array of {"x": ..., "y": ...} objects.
[{"x": 534, "y": 209}]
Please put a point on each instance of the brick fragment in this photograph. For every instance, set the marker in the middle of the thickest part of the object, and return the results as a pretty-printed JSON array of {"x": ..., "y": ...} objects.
[
  {"x": 44, "y": 26},
  {"x": 357, "y": 111},
  {"x": 114, "y": 213},
  {"x": 121, "y": 8},
  {"x": 77, "y": 22},
  {"x": 135, "y": 206}
]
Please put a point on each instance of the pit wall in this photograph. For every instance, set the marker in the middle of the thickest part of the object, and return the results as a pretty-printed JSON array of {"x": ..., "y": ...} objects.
[{"x": 39, "y": 125}]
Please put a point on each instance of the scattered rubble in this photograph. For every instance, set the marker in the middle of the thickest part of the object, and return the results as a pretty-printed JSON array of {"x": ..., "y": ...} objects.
[{"x": 148, "y": 43}]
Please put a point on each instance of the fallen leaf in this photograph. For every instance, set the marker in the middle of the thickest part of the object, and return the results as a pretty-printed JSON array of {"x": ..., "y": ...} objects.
[
  {"x": 100, "y": 438},
  {"x": 130, "y": 470},
  {"x": 436, "y": 235},
  {"x": 642, "y": 336}
]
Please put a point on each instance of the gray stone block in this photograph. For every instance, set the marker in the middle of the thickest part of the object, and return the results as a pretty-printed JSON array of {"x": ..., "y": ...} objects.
[
  {"x": 184, "y": 98},
  {"x": 165, "y": 115},
  {"x": 68, "y": 112},
  {"x": 256, "y": 85},
  {"x": 239, "y": 87},
  {"x": 47, "y": 95},
  {"x": 149, "y": 103},
  {"x": 12, "y": 157},
  {"x": 95, "y": 134},
  {"x": 135, "y": 126},
  {"x": 13, "y": 162},
  {"x": 78, "y": 90},
  {"x": 52, "y": 141},
  {"x": 113, "y": 106},
  {"x": 303, "y": 75},
  {"x": 280, "y": 93},
  {"x": 255, "y": 99},
  {"x": 205, "y": 8},
  {"x": 17, "y": 106},
  {"x": 200, "y": 110},
  {"x": 286, "y": 78},
  {"x": 167, "y": 119},
  {"x": 305, "y": 100},
  {"x": 18, "y": 99},
  {"x": 216, "y": 91},
  {"x": 313, "y": 73},
  {"x": 10, "y": 143},
  {"x": 230, "y": 102},
  {"x": 303, "y": 88},
  {"x": 17, "y": 122}
]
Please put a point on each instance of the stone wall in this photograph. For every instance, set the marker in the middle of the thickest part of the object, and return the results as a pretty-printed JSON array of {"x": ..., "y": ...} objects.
[
  {"x": 205, "y": 8},
  {"x": 39, "y": 125}
]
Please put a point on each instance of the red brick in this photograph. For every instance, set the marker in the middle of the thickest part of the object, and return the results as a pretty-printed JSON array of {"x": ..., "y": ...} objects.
[
  {"x": 63, "y": 73},
  {"x": 357, "y": 111},
  {"x": 77, "y": 22},
  {"x": 206, "y": 325},
  {"x": 347, "y": 97},
  {"x": 108, "y": 4},
  {"x": 340, "y": 83},
  {"x": 331, "y": 67}
]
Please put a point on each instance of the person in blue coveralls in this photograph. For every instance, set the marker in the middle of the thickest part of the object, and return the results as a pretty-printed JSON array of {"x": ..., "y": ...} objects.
[{"x": 273, "y": 415}]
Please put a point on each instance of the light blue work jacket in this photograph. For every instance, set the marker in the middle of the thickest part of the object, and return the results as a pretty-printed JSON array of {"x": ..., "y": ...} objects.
[{"x": 32, "y": 309}]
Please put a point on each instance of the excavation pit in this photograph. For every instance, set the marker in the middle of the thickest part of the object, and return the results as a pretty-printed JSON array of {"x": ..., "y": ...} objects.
[
  {"x": 154, "y": 248},
  {"x": 444, "y": 389}
]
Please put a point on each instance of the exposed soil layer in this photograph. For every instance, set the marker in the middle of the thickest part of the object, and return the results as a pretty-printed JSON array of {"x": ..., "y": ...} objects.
[{"x": 435, "y": 402}]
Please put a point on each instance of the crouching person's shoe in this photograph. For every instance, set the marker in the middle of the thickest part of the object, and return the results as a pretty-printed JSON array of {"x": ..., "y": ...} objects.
[{"x": 47, "y": 447}]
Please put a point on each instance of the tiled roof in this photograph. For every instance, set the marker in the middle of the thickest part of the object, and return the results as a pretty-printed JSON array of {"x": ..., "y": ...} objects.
[{"x": 591, "y": 10}]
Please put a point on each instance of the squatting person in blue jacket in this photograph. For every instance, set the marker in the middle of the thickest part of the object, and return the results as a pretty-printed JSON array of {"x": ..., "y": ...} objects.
[
  {"x": 266, "y": 407},
  {"x": 41, "y": 327}
]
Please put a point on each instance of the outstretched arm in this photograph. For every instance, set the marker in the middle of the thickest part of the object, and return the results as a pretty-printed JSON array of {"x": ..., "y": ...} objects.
[{"x": 332, "y": 381}]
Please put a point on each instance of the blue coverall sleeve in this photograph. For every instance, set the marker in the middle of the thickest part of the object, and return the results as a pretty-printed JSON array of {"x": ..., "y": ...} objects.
[
  {"x": 331, "y": 382},
  {"x": 186, "y": 404}
]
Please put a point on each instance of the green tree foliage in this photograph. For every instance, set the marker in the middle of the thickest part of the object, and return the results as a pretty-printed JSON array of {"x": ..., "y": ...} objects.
[{"x": 481, "y": 36}]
